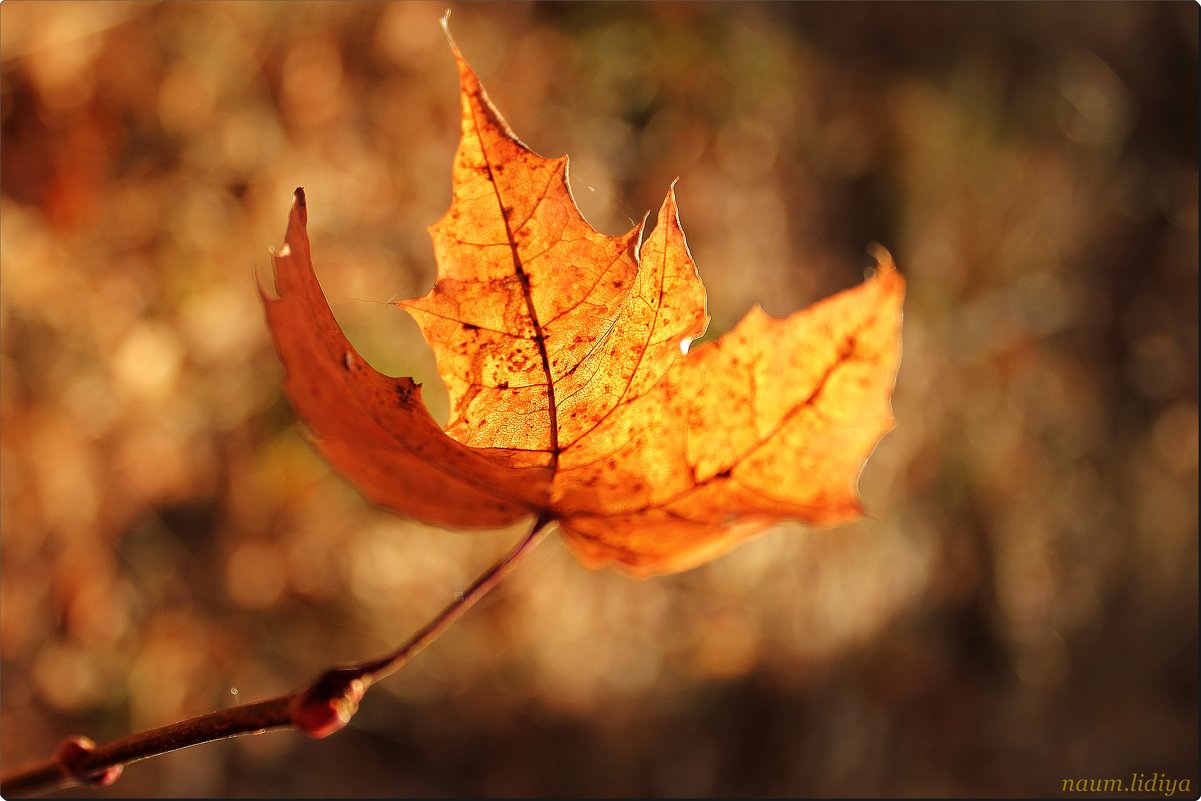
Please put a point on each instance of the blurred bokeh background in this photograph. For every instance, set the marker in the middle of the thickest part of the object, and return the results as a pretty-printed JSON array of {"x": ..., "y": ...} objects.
[{"x": 1019, "y": 607}]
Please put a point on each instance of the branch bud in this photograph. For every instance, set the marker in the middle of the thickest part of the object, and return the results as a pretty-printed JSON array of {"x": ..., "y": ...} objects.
[
  {"x": 329, "y": 703},
  {"x": 71, "y": 757}
]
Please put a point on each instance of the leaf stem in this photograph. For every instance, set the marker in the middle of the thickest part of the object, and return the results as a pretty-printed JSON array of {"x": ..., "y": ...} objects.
[{"x": 320, "y": 709}]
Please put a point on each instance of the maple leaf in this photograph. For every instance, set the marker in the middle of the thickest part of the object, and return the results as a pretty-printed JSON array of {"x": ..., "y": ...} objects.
[{"x": 574, "y": 396}]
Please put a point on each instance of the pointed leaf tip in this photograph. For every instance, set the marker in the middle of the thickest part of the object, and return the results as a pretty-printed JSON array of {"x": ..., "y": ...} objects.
[
  {"x": 298, "y": 218},
  {"x": 450, "y": 39}
]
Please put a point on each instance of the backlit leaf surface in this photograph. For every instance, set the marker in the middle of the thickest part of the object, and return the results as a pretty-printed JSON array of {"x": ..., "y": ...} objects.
[{"x": 573, "y": 392}]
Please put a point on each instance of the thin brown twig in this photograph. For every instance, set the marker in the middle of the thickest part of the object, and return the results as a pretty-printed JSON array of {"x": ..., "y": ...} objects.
[{"x": 320, "y": 709}]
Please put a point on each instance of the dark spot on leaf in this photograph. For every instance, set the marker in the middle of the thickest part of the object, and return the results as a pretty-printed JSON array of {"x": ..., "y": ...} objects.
[{"x": 470, "y": 327}]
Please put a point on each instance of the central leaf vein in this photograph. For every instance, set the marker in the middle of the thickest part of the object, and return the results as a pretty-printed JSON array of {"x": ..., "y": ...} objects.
[{"x": 524, "y": 280}]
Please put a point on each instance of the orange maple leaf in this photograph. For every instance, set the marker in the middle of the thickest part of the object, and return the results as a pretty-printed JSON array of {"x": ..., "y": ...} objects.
[{"x": 573, "y": 394}]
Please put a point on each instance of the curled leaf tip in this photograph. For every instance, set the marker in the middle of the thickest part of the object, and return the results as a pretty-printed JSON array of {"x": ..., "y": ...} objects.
[{"x": 884, "y": 262}]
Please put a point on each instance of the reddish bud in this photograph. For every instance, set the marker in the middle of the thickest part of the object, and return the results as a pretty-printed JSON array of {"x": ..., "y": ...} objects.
[
  {"x": 329, "y": 704},
  {"x": 71, "y": 756}
]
